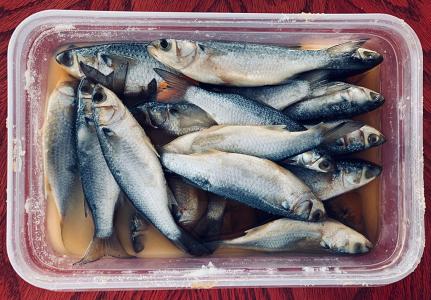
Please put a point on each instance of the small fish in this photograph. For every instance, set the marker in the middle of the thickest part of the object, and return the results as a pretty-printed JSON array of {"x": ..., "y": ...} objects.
[
  {"x": 100, "y": 188},
  {"x": 271, "y": 142},
  {"x": 59, "y": 136},
  {"x": 210, "y": 225},
  {"x": 314, "y": 160},
  {"x": 362, "y": 139},
  {"x": 349, "y": 174},
  {"x": 138, "y": 226},
  {"x": 125, "y": 68},
  {"x": 246, "y": 64},
  {"x": 224, "y": 109},
  {"x": 291, "y": 235},
  {"x": 346, "y": 103},
  {"x": 134, "y": 163},
  {"x": 191, "y": 203},
  {"x": 256, "y": 182},
  {"x": 175, "y": 118}
]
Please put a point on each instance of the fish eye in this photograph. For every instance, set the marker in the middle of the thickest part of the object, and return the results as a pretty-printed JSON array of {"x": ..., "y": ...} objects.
[
  {"x": 373, "y": 138},
  {"x": 339, "y": 142},
  {"x": 165, "y": 45},
  {"x": 98, "y": 96},
  {"x": 65, "y": 58},
  {"x": 325, "y": 165}
]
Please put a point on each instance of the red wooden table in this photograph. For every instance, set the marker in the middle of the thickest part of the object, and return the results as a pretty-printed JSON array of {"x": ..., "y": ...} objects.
[{"x": 416, "y": 13}]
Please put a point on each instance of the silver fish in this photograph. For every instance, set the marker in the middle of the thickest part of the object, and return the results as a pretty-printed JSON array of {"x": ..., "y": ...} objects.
[
  {"x": 346, "y": 103},
  {"x": 226, "y": 109},
  {"x": 270, "y": 142},
  {"x": 176, "y": 119},
  {"x": 125, "y": 68},
  {"x": 59, "y": 137},
  {"x": 134, "y": 164},
  {"x": 100, "y": 188},
  {"x": 245, "y": 64},
  {"x": 362, "y": 139},
  {"x": 291, "y": 235},
  {"x": 191, "y": 203},
  {"x": 256, "y": 182},
  {"x": 349, "y": 174},
  {"x": 138, "y": 227},
  {"x": 314, "y": 160}
]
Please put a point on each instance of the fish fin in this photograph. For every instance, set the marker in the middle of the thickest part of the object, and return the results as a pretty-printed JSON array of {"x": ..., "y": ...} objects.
[
  {"x": 100, "y": 247},
  {"x": 210, "y": 225},
  {"x": 95, "y": 75},
  {"x": 345, "y": 48},
  {"x": 191, "y": 245},
  {"x": 340, "y": 130},
  {"x": 175, "y": 86},
  {"x": 172, "y": 201}
]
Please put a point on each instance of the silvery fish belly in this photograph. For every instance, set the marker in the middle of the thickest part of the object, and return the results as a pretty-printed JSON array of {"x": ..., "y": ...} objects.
[
  {"x": 246, "y": 64},
  {"x": 61, "y": 167},
  {"x": 134, "y": 164},
  {"x": 292, "y": 235},
  {"x": 125, "y": 68},
  {"x": 349, "y": 174},
  {"x": 256, "y": 182}
]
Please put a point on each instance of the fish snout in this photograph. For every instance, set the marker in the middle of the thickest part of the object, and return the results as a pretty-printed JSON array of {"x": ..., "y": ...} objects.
[
  {"x": 317, "y": 212},
  {"x": 372, "y": 171},
  {"x": 65, "y": 58},
  {"x": 377, "y": 98}
]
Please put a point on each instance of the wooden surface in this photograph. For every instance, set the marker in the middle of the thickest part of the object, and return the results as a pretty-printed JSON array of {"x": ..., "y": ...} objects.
[{"x": 416, "y": 13}]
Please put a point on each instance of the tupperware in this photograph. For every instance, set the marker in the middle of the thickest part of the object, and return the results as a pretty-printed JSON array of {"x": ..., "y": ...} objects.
[{"x": 399, "y": 240}]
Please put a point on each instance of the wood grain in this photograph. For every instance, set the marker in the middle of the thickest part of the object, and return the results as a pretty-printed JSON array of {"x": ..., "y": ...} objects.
[{"x": 416, "y": 13}]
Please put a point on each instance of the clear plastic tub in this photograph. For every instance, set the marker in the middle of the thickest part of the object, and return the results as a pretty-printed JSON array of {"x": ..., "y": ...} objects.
[{"x": 400, "y": 239}]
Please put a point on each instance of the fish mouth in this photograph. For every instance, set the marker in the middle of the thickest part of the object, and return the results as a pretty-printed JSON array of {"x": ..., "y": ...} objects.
[
  {"x": 152, "y": 50},
  {"x": 373, "y": 171},
  {"x": 377, "y": 98}
]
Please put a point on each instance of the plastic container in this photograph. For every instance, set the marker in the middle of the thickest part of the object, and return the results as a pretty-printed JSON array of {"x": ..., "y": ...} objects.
[{"x": 400, "y": 241}]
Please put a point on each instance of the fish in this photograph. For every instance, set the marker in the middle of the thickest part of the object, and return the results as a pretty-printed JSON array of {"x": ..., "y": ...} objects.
[
  {"x": 362, "y": 139},
  {"x": 138, "y": 227},
  {"x": 349, "y": 102},
  {"x": 223, "y": 108},
  {"x": 175, "y": 118},
  {"x": 349, "y": 174},
  {"x": 191, "y": 203},
  {"x": 315, "y": 159},
  {"x": 60, "y": 157},
  {"x": 248, "y": 65},
  {"x": 272, "y": 142},
  {"x": 256, "y": 182},
  {"x": 125, "y": 68},
  {"x": 293, "y": 235},
  {"x": 211, "y": 223},
  {"x": 101, "y": 191},
  {"x": 134, "y": 163}
]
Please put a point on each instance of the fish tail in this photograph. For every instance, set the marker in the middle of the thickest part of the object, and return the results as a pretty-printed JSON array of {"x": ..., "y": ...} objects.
[
  {"x": 100, "y": 247},
  {"x": 332, "y": 134},
  {"x": 346, "y": 48},
  {"x": 189, "y": 244},
  {"x": 174, "y": 87}
]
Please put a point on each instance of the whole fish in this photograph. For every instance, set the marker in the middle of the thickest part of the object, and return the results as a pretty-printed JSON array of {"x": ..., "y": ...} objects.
[
  {"x": 345, "y": 103},
  {"x": 256, "y": 182},
  {"x": 224, "y": 109},
  {"x": 175, "y": 118},
  {"x": 134, "y": 164},
  {"x": 138, "y": 226},
  {"x": 314, "y": 160},
  {"x": 349, "y": 174},
  {"x": 191, "y": 203},
  {"x": 210, "y": 225},
  {"x": 291, "y": 235},
  {"x": 100, "y": 188},
  {"x": 270, "y": 142},
  {"x": 246, "y": 64},
  {"x": 59, "y": 136},
  {"x": 362, "y": 139},
  {"x": 125, "y": 68}
]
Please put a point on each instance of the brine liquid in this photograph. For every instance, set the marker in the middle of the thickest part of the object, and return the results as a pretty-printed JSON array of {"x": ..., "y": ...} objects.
[{"x": 358, "y": 209}]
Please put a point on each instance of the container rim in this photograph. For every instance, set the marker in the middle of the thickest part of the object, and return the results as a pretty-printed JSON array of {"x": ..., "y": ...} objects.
[{"x": 398, "y": 269}]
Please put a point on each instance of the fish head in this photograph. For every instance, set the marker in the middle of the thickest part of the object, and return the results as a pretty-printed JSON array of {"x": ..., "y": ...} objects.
[
  {"x": 367, "y": 58},
  {"x": 356, "y": 173},
  {"x": 177, "y": 54},
  {"x": 85, "y": 95},
  {"x": 372, "y": 137},
  {"x": 107, "y": 107},
  {"x": 342, "y": 239},
  {"x": 317, "y": 161},
  {"x": 363, "y": 97}
]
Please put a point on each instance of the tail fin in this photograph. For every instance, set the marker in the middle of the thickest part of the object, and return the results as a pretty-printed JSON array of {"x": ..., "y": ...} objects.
[
  {"x": 346, "y": 48},
  {"x": 191, "y": 245},
  {"x": 210, "y": 225},
  {"x": 100, "y": 247},
  {"x": 174, "y": 87},
  {"x": 332, "y": 134}
]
